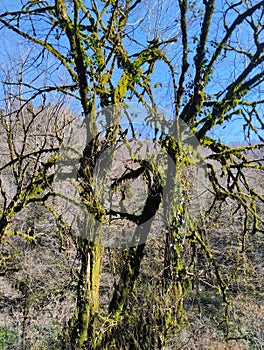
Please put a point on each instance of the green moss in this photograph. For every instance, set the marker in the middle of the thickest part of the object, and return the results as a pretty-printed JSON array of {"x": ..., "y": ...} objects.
[{"x": 8, "y": 337}]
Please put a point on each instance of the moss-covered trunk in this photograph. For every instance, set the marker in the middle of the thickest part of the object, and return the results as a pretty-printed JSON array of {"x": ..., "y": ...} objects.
[
  {"x": 83, "y": 323},
  {"x": 174, "y": 276}
]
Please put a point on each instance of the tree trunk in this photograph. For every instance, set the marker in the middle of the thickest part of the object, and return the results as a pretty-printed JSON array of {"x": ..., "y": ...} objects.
[{"x": 83, "y": 323}]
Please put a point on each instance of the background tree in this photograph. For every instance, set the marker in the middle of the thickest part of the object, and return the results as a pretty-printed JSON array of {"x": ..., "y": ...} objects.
[
  {"x": 35, "y": 264},
  {"x": 213, "y": 76}
]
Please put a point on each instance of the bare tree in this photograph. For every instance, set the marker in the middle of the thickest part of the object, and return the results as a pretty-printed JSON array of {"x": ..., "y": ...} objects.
[
  {"x": 35, "y": 268},
  {"x": 112, "y": 53}
]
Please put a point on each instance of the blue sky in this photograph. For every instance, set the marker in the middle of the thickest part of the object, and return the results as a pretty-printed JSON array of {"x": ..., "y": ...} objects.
[{"x": 13, "y": 48}]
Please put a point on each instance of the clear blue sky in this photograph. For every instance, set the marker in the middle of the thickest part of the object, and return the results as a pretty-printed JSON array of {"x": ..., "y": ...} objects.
[{"x": 13, "y": 49}]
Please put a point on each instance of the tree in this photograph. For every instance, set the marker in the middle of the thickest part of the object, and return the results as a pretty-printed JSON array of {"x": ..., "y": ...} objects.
[
  {"x": 111, "y": 56},
  {"x": 34, "y": 264}
]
